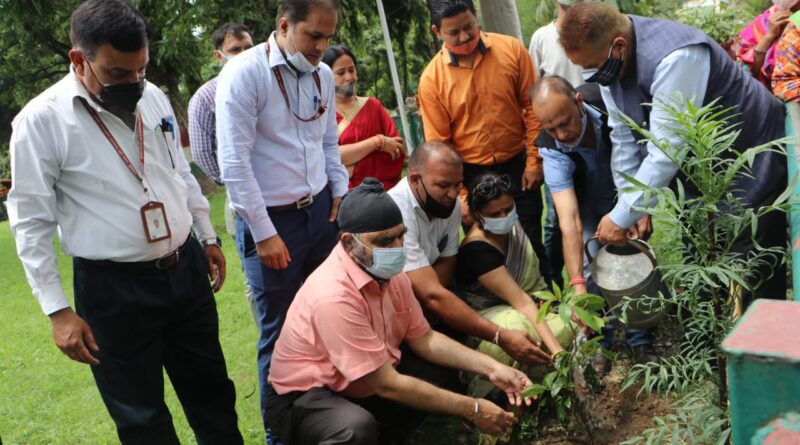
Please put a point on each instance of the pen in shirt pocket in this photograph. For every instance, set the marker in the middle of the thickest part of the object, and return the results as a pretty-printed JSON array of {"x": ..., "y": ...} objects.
[{"x": 166, "y": 126}]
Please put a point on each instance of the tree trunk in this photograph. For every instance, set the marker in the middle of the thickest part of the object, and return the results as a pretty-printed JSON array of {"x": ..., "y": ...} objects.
[{"x": 501, "y": 16}]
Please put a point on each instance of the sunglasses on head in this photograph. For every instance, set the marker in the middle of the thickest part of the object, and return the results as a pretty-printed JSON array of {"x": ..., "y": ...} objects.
[{"x": 492, "y": 186}]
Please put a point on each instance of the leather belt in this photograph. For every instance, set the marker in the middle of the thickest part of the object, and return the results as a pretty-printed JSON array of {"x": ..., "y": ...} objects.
[
  {"x": 166, "y": 262},
  {"x": 297, "y": 205}
]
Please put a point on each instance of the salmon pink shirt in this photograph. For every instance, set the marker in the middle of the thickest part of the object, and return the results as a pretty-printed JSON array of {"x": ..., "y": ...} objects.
[{"x": 343, "y": 325}]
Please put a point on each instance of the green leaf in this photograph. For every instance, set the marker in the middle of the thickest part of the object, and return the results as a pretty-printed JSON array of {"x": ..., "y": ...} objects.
[
  {"x": 544, "y": 309},
  {"x": 594, "y": 322},
  {"x": 533, "y": 390},
  {"x": 544, "y": 295},
  {"x": 590, "y": 301},
  {"x": 565, "y": 312}
]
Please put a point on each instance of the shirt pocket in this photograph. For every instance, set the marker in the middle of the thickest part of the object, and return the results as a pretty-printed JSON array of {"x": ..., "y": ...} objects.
[{"x": 400, "y": 325}]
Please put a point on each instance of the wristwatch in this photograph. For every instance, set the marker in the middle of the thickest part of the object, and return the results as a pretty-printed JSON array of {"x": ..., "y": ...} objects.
[{"x": 211, "y": 242}]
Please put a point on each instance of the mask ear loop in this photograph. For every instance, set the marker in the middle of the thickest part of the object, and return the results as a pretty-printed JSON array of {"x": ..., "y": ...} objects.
[{"x": 102, "y": 85}]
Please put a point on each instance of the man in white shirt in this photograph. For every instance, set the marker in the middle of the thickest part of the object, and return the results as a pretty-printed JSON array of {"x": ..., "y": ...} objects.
[
  {"x": 279, "y": 157},
  {"x": 96, "y": 158},
  {"x": 548, "y": 55},
  {"x": 432, "y": 215}
]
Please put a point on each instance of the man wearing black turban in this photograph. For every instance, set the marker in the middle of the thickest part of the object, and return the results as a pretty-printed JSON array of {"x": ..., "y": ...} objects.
[{"x": 355, "y": 357}]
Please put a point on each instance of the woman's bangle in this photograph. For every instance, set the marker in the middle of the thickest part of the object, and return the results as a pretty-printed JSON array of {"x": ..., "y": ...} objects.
[
  {"x": 759, "y": 51},
  {"x": 476, "y": 409},
  {"x": 496, "y": 339},
  {"x": 377, "y": 142},
  {"x": 576, "y": 281}
]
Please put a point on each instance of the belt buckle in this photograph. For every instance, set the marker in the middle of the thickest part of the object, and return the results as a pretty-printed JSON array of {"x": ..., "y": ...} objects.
[
  {"x": 160, "y": 263},
  {"x": 305, "y": 202}
]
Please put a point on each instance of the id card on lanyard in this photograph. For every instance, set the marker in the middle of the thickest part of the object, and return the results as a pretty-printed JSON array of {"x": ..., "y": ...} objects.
[{"x": 154, "y": 216}]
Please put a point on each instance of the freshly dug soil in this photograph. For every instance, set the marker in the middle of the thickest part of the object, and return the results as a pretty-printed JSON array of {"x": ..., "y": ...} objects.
[{"x": 616, "y": 417}]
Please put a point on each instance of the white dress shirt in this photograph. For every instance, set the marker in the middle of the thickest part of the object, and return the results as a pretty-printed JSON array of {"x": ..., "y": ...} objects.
[
  {"x": 67, "y": 176},
  {"x": 426, "y": 239},
  {"x": 266, "y": 155},
  {"x": 684, "y": 72}
]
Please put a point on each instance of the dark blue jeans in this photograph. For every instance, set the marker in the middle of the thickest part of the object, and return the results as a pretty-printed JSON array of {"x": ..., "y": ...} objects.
[{"x": 310, "y": 238}]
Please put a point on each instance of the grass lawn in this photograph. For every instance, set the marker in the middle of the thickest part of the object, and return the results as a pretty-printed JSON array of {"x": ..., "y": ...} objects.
[{"x": 46, "y": 398}]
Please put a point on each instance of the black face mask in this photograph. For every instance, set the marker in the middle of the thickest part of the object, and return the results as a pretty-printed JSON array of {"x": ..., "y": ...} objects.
[
  {"x": 122, "y": 95},
  {"x": 433, "y": 207},
  {"x": 609, "y": 72}
]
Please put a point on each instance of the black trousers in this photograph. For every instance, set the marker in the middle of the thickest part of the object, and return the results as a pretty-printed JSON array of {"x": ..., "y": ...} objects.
[
  {"x": 770, "y": 281},
  {"x": 528, "y": 202},
  {"x": 146, "y": 320},
  {"x": 321, "y": 416}
]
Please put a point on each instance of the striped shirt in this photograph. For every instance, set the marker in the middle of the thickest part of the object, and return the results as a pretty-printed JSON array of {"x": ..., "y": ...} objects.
[{"x": 203, "y": 130}]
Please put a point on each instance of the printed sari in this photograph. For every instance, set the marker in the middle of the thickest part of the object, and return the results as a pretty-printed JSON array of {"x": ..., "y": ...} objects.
[
  {"x": 746, "y": 43},
  {"x": 786, "y": 77},
  {"x": 523, "y": 265}
]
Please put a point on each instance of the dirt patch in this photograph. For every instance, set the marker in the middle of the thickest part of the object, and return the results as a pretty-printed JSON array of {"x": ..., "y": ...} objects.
[{"x": 616, "y": 417}]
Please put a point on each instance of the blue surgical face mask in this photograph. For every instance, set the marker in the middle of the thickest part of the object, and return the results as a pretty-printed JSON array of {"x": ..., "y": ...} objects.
[
  {"x": 225, "y": 58},
  {"x": 386, "y": 261},
  {"x": 298, "y": 60},
  {"x": 501, "y": 226}
]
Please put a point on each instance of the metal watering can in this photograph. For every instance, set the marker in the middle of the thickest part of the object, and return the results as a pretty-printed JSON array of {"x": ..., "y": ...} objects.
[{"x": 628, "y": 271}]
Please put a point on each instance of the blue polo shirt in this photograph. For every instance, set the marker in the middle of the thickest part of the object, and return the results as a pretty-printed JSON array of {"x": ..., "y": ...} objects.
[{"x": 596, "y": 189}]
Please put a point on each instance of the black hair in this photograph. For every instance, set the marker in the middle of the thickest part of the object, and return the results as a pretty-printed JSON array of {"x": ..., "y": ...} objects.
[
  {"x": 116, "y": 22},
  {"x": 229, "y": 29},
  {"x": 491, "y": 189},
  {"x": 334, "y": 52},
  {"x": 297, "y": 10},
  {"x": 442, "y": 9}
]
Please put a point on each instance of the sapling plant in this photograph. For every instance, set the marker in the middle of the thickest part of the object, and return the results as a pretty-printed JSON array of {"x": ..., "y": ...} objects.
[
  {"x": 706, "y": 284},
  {"x": 564, "y": 389}
]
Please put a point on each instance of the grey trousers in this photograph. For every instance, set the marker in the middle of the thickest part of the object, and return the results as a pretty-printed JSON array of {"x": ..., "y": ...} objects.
[{"x": 321, "y": 416}]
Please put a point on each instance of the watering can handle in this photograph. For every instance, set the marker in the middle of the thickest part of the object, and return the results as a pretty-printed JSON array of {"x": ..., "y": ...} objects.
[
  {"x": 640, "y": 245},
  {"x": 586, "y": 248}
]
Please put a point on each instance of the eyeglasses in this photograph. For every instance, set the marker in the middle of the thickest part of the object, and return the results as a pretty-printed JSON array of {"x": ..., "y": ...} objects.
[{"x": 492, "y": 186}]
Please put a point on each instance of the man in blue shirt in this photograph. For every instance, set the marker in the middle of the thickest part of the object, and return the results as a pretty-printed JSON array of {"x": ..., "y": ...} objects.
[
  {"x": 279, "y": 158},
  {"x": 640, "y": 61},
  {"x": 576, "y": 151}
]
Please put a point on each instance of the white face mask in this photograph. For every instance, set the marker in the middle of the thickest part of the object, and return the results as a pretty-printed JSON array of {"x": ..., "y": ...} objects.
[
  {"x": 298, "y": 60},
  {"x": 501, "y": 226}
]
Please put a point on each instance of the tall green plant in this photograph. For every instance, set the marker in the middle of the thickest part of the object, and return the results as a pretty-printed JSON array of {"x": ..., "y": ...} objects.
[{"x": 700, "y": 285}]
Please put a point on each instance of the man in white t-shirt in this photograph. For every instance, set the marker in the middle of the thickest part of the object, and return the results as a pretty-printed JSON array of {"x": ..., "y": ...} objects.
[
  {"x": 547, "y": 53},
  {"x": 428, "y": 200}
]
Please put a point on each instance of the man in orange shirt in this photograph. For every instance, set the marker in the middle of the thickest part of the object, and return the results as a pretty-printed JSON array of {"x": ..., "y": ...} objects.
[{"x": 474, "y": 95}]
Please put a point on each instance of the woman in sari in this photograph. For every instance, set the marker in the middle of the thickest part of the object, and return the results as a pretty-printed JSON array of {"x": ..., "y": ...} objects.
[
  {"x": 368, "y": 137},
  {"x": 755, "y": 47},
  {"x": 498, "y": 270},
  {"x": 786, "y": 77}
]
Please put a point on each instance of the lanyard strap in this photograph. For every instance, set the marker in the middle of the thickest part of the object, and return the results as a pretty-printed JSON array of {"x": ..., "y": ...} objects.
[
  {"x": 279, "y": 77},
  {"x": 117, "y": 148}
]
